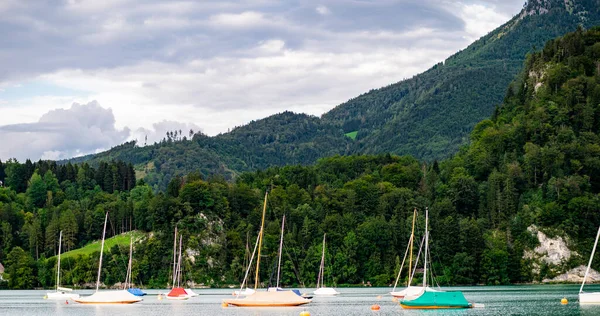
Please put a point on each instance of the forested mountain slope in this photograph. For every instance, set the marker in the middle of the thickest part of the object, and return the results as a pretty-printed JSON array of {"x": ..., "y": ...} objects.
[
  {"x": 428, "y": 116},
  {"x": 536, "y": 161}
]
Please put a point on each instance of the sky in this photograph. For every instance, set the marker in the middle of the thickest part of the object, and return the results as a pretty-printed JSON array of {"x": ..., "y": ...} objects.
[{"x": 81, "y": 76}]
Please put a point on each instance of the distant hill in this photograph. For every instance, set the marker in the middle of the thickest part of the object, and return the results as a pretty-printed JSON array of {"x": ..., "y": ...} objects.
[{"x": 428, "y": 116}]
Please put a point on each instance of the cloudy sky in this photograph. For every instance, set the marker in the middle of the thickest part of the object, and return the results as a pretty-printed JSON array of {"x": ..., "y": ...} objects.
[{"x": 80, "y": 76}]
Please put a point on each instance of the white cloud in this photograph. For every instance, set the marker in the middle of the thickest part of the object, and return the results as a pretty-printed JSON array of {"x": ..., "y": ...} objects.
[
  {"x": 62, "y": 133},
  {"x": 481, "y": 19},
  {"x": 323, "y": 10},
  {"x": 239, "y": 20}
]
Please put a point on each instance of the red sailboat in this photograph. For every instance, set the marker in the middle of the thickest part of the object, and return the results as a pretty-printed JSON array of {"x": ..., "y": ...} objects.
[{"x": 177, "y": 292}]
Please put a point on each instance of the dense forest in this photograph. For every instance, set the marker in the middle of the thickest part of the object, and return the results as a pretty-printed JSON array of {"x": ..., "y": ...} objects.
[
  {"x": 428, "y": 116},
  {"x": 535, "y": 161}
]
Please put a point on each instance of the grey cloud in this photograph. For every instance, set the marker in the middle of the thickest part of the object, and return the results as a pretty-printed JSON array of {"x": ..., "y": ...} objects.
[{"x": 62, "y": 133}]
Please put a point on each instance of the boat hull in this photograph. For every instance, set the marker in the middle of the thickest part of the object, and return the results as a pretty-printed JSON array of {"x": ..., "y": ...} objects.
[
  {"x": 61, "y": 296},
  {"x": 269, "y": 299},
  {"x": 589, "y": 298},
  {"x": 109, "y": 297},
  {"x": 326, "y": 291}
]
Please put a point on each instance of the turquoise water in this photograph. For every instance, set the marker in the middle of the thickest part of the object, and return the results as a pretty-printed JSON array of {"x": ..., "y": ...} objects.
[{"x": 498, "y": 300}]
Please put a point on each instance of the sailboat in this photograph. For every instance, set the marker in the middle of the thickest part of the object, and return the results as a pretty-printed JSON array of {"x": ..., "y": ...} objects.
[
  {"x": 247, "y": 291},
  {"x": 430, "y": 299},
  {"x": 277, "y": 288},
  {"x": 322, "y": 289},
  {"x": 177, "y": 292},
  {"x": 133, "y": 290},
  {"x": 107, "y": 297},
  {"x": 61, "y": 293},
  {"x": 409, "y": 290},
  {"x": 266, "y": 299},
  {"x": 592, "y": 297}
]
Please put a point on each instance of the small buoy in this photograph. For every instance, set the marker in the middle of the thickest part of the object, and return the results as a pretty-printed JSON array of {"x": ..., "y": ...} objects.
[
  {"x": 564, "y": 301},
  {"x": 375, "y": 307},
  {"x": 224, "y": 304},
  {"x": 378, "y": 297},
  {"x": 67, "y": 302},
  {"x": 394, "y": 299},
  {"x": 304, "y": 313},
  {"x": 160, "y": 296},
  {"x": 45, "y": 297}
]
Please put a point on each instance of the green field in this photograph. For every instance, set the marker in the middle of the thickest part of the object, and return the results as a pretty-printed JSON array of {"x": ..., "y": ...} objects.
[
  {"x": 92, "y": 247},
  {"x": 352, "y": 135}
]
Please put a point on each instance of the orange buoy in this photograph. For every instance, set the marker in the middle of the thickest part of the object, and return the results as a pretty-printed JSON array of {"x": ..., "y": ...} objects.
[
  {"x": 394, "y": 299},
  {"x": 375, "y": 307},
  {"x": 378, "y": 297},
  {"x": 224, "y": 304},
  {"x": 304, "y": 313},
  {"x": 564, "y": 301}
]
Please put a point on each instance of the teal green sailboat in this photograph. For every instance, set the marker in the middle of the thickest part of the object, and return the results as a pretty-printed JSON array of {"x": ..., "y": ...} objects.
[{"x": 433, "y": 299}]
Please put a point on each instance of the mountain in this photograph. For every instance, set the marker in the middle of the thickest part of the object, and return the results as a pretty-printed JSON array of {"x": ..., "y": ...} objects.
[
  {"x": 428, "y": 116},
  {"x": 285, "y": 138}
]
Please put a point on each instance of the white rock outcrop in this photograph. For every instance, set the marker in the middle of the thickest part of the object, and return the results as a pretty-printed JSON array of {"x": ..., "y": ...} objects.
[
  {"x": 553, "y": 251},
  {"x": 575, "y": 275}
]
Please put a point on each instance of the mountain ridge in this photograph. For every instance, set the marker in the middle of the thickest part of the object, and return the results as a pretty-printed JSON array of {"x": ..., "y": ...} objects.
[{"x": 428, "y": 116}]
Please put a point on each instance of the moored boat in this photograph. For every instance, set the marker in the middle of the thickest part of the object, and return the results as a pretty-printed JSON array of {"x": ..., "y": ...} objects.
[
  {"x": 265, "y": 298},
  {"x": 61, "y": 293},
  {"x": 592, "y": 298},
  {"x": 107, "y": 297},
  {"x": 321, "y": 288},
  {"x": 433, "y": 299}
]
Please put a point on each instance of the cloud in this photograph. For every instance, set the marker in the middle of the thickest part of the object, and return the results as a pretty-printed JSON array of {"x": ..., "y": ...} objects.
[
  {"x": 219, "y": 63},
  {"x": 62, "y": 133},
  {"x": 323, "y": 10},
  {"x": 159, "y": 130}
]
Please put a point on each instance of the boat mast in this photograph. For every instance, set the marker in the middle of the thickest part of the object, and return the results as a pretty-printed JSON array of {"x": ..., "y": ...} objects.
[
  {"x": 174, "y": 256},
  {"x": 101, "y": 251},
  {"x": 426, "y": 247},
  {"x": 249, "y": 264},
  {"x": 412, "y": 238},
  {"x": 280, "y": 248},
  {"x": 260, "y": 235},
  {"x": 58, "y": 268},
  {"x": 179, "y": 263},
  {"x": 590, "y": 262},
  {"x": 128, "y": 277},
  {"x": 320, "y": 278}
]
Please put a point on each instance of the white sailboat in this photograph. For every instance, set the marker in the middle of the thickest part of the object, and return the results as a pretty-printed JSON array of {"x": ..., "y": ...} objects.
[
  {"x": 321, "y": 288},
  {"x": 409, "y": 290},
  {"x": 277, "y": 288},
  {"x": 592, "y": 297},
  {"x": 107, "y": 297},
  {"x": 247, "y": 291},
  {"x": 61, "y": 293}
]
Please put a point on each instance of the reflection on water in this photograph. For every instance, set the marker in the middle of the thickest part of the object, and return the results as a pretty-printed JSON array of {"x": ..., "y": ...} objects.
[{"x": 498, "y": 300}]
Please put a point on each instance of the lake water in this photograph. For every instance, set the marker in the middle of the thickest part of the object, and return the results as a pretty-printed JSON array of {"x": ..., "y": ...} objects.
[{"x": 498, "y": 300}]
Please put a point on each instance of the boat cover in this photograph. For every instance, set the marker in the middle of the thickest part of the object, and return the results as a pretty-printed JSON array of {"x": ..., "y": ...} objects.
[
  {"x": 177, "y": 291},
  {"x": 454, "y": 299},
  {"x": 109, "y": 297},
  {"x": 136, "y": 291}
]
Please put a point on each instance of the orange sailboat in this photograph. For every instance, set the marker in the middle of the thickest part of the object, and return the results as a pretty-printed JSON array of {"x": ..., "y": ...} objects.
[{"x": 266, "y": 298}]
